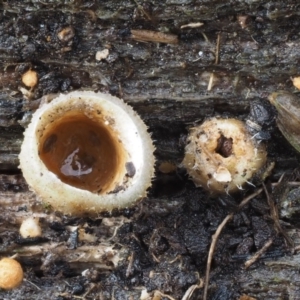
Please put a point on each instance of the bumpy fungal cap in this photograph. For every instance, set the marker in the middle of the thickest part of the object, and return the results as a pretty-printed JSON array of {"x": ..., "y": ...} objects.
[
  {"x": 87, "y": 152},
  {"x": 11, "y": 273},
  {"x": 221, "y": 156}
]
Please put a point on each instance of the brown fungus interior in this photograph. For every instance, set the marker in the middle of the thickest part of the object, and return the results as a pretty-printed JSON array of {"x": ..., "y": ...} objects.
[
  {"x": 224, "y": 146},
  {"x": 83, "y": 152}
]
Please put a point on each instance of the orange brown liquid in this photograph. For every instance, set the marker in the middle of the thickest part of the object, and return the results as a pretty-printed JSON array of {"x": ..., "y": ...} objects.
[{"x": 82, "y": 152}]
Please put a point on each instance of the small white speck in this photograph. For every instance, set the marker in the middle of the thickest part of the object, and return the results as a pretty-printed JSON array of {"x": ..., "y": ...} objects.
[{"x": 102, "y": 54}]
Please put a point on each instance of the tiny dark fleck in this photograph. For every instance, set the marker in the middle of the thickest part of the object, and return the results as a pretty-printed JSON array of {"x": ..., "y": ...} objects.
[
  {"x": 117, "y": 189},
  {"x": 49, "y": 143},
  {"x": 130, "y": 168}
]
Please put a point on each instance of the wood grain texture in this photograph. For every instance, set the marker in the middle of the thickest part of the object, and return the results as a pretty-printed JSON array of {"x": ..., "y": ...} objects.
[{"x": 163, "y": 241}]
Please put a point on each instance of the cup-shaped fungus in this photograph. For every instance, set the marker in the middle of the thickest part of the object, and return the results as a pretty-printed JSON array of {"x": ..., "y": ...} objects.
[
  {"x": 221, "y": 156},
  {"x": 87, "y": 152}
]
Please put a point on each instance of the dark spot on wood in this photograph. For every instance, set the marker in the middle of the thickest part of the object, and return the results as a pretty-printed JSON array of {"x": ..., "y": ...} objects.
[{"x": 30, "y": 240}]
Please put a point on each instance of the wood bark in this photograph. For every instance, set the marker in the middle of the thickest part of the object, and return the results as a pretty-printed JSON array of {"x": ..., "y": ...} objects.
[{"x": 173, "y": 86}]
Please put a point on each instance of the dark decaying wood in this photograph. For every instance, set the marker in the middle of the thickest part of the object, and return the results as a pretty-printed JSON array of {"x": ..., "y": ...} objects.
[{"x": 174, "y": 76}]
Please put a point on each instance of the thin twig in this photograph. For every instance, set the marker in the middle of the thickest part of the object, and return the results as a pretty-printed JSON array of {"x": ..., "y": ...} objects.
[
  {"x": 140, "y": 7},
  {"x": 26, "y": 280},
  {"x": 216, "y": 236},
  {"x": 293, "y": 183},
  {"x": 192, "y": 25},
  {"x": 275, "y": 217},
  {"x": 259, "y": 253},
  {"x": 217, "y": 60},
  {"x": 153, "y": 36},
  {"x": 205, "y": 37},
  {"x": 160, "y": 294},
  {"x": 188, "y": 294},
  {"x": 211, "y": 252},
  {"x": 129, "y": 269},
  {"x": 247, "y": 199},
  {"x": 210, "y": 82}
]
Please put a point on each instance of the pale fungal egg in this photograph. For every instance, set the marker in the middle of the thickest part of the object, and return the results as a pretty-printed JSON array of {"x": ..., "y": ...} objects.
[
  {"x": 11, "y": 273},
  {"x": 102, "y": 54},
  {"x": 30, "y": 78},
  {"x": 87, "y": 152},
  {"x": 30, "y": 228},
  {"x": 221, "y": 156}
]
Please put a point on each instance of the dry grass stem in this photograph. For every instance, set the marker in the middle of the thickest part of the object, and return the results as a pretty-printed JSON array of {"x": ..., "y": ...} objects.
[
  {"x": 259, "y": 253},
  {"x": 153, "y": 36},
  {"x": 216, "y": 236}
]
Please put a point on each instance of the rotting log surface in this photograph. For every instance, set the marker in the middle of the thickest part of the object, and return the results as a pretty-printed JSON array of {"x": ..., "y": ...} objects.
[{"x": 162, "y": 243}]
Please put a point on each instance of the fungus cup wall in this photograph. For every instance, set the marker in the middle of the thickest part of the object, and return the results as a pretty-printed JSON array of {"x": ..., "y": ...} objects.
[
  {"x": 87, "y": 152},
  {"x": 221, "y": 156}
]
